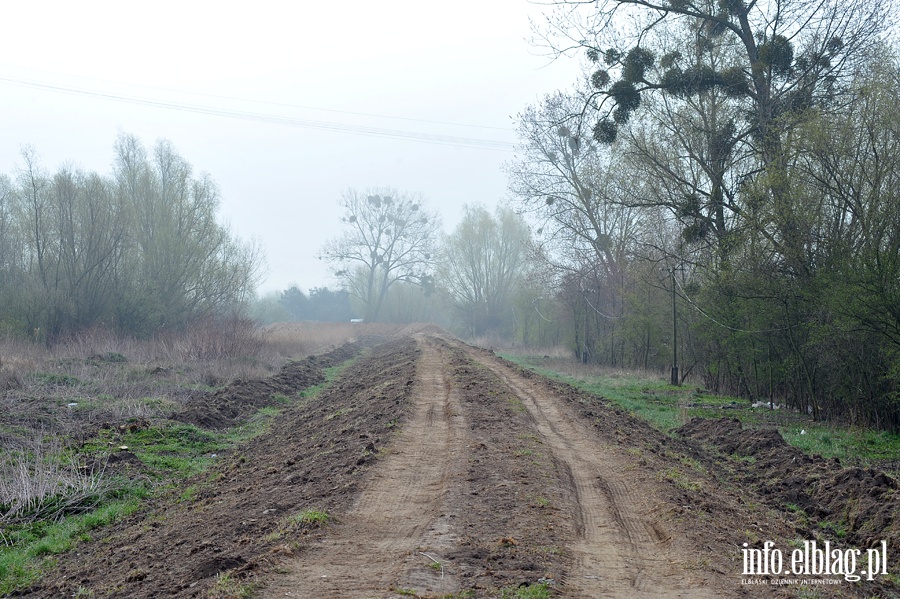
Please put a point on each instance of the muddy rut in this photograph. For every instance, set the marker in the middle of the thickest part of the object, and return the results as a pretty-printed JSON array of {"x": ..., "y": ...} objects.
[{"x": 429, "y": 521}]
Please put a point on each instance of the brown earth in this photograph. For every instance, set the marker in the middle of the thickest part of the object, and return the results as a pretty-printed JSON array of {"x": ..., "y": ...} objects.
[
  {"x": 238, "y": 401},
  {"x": 866, "y": 499},
  {"x": 447, "y": 471}
]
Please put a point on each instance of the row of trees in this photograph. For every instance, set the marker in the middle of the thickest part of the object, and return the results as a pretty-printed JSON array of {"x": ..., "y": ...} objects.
[
  {"x": 720, "y": 190},
  {"x": 293, "y": 305},
  {"x": 137, "y": 250},
  {"x": 397, "y": 266},
  {"x": 734, "y": 164}
]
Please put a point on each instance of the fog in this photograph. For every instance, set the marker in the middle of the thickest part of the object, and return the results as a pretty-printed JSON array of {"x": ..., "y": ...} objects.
[{"x": 285, "y": 107}]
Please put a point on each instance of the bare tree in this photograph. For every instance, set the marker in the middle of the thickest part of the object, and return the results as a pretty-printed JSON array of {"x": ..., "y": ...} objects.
[
  {"x": 482, "y": 262},
  {"x": 389, "y": 237},
  {"x": 577, "y": 190},
  {"x": 774, "y": 59},
  {"x": 184, "y": 264}
]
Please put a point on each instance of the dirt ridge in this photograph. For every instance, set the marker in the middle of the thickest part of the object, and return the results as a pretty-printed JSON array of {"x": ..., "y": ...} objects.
[
  {"x": 446, "y": 469},
  {"x": 867, "y": 501},
  {"x": 236, "y": 402},
  {"x": 239, "y": 520}
]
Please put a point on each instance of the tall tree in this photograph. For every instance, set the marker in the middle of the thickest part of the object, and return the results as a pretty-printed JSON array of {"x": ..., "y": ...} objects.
[
  {"x": 775, "y": 59},
  {"x": 482, "y": 262},
  {"x": 184, "y": 263},
  {"x": 389, "y": 237}
]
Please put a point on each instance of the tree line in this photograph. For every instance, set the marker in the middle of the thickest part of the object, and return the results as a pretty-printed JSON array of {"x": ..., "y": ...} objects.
[
  {"x": 397, "y": 265},
  {"x": 134, "y": 251},
  {"x": 720, "y": 192},
  {"x": 722, "y": 189}
]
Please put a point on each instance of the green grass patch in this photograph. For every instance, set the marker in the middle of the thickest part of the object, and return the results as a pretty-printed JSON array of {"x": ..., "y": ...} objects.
[
  {"x": 281, "y": 398},
  {"x": 53, "y": 379},
  {"x": 29, "y": 549},
  {"x": 838, "y": 529},
  {"x": 532, "y": 591},
  {"x": 849, "y": 444},
  {"x": 305, "y": 520},
  {"x": 667, "y": 407},
  {"x": 316, "y": 517},
  {"x": 228, "y": 586},
  {"x": 312, "y": 391},
  {"x": 189, "y": 494},
  {"x": 650, "y": 399},
  {"x": 331, "y": 373},
  {"x": 267, "y": 412},
  {"x": 176, "y": 450}
]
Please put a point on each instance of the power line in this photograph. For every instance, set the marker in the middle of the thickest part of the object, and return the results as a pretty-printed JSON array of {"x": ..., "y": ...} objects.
[
  {"x": 598, "y": 311},
  {"x": 449, "y": 140},
  {"x": 280, "y": 104},
  {"x": 721, "y": 324}
]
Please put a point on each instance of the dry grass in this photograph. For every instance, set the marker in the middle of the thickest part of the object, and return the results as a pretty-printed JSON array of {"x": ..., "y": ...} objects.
[
  {"x": 65, "y": 409},
  {"x": 44, "y": 482},
  {"x": 97, "y": 378},
  {"x": 54, "y": 399},
  {"x": 71, "y": 388},
  {"x": 293, "y": 339},
  {"x": 564, "y": 363}
]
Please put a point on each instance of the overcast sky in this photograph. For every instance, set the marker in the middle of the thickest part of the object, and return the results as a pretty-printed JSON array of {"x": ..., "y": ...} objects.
[{"x": 284, "y": 104}]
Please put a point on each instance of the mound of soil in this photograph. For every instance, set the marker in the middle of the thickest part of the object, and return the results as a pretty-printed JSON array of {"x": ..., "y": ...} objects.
[
  {"x": 240, "y": 517},
  {"x": 865, "y": 502},
  {"x": 238, "y": 401}
]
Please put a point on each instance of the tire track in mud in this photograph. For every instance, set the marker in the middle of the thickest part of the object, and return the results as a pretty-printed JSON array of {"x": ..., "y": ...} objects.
[
  {"x": 619, "y": 550},
  {"x": 380, "y": 543}
]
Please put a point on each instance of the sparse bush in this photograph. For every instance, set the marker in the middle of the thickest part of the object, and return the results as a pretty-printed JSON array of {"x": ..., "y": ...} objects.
[{"x": 9, "y": 380}]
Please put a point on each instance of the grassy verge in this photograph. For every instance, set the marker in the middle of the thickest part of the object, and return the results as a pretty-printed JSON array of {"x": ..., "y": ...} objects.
[
  {"x": 331, "y": 373},
  {"x": 158, "y": 457},
  {"x": 30, "y": 548},
  {"x": 667, "y": 407},
  {"x": 165, "y": 455}
]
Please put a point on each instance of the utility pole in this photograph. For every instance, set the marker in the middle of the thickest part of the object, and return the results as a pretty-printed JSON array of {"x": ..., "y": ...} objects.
[{"x": 675, "y": 380}]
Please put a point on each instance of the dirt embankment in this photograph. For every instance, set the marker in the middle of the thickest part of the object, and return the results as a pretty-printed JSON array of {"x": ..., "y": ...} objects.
[
  {"x": 444, "y": 469},
  {"x": 240, "y": 520},
  {"x": 235, "y": 403},
  {"x": 863, "y": 504}
]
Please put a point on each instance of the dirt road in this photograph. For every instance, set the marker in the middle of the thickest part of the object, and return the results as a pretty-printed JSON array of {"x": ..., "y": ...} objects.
[
  {"x": 447, "y": 472},
  {"x": 403, "y": 507},
  {"x": 401, "y": 533}
]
